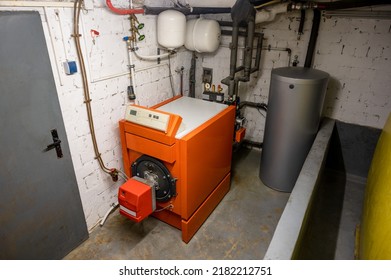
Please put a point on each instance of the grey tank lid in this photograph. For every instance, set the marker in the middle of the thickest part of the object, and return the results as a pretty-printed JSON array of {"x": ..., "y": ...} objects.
[{"x": 299, "y": 75}]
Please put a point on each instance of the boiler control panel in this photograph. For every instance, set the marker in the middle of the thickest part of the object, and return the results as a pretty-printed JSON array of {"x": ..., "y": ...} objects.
[{"x": 147, "y": 117}]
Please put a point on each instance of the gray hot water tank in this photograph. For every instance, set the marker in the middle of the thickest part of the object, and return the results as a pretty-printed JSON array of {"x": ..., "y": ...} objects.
[{"x": 294, "y": 109}]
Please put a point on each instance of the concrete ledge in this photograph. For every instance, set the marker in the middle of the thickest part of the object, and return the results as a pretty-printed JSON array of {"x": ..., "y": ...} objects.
[{"x": 287, "y": 234}]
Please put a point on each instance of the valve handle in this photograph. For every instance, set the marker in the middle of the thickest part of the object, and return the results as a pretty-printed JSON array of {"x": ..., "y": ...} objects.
[{"x": 141, "y": 37}]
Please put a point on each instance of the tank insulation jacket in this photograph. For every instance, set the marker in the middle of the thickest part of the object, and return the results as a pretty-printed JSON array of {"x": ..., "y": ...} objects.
[
  {"x": 202, "y": 35},
  {"x": 171, "y": 28}
]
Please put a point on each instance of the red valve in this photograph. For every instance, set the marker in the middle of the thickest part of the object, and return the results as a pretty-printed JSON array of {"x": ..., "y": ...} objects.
[{"x": 94, "y": 32}]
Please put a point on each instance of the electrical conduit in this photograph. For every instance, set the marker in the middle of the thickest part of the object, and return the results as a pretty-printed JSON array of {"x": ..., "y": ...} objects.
[{"x": 87, "y": 100}]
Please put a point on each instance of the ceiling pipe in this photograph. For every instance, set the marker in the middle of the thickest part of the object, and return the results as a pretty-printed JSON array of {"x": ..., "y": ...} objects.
[
  {"x": 358, "y": 14},
  {"x": 337, "y": 5},
  {"x": 123, "y": 11},
  {"x": 188, "y": 10},
  {"x": 207, "y": 3}
]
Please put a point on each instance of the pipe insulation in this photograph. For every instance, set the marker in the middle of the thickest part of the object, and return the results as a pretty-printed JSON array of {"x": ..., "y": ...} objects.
[
  {"x": 269, "y": 14},
  {"x": 152, "y": 57},
  {"x": 337, "y": 5},
  {"x": 207, "y": 3},
  {"x": 187, "y": 10}
]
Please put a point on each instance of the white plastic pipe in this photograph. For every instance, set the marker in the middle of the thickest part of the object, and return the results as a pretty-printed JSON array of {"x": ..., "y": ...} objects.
[
  {"x": 113, "y": 206},
  {"x": 151, "y": 57},
  {"x": 269, "y": 13}
]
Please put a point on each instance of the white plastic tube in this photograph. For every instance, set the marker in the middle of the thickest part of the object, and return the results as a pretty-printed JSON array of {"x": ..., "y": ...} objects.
[
  {"x": 151, "y": 57},
  {"x": 113, "y": 206}
]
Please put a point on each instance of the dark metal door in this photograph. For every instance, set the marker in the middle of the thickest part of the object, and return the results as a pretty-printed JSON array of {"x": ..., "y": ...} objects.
[{"x": 41, "y": 215}]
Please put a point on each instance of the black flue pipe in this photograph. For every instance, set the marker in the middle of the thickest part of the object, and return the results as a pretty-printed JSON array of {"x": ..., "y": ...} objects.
[
  {"x": 302, "y": 20},
  {"x": 313, "y": 38},
  {"x": 192, "y": 75}
]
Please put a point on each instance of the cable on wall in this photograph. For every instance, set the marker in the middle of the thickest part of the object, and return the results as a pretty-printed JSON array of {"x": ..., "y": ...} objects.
[{"x": 113, "y": 172}]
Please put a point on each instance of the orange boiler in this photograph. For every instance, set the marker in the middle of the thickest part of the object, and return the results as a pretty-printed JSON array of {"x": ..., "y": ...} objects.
[{"x": 182, "y": 148}]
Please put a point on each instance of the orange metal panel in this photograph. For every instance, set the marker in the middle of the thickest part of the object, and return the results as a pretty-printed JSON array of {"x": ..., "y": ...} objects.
[
  {"x": 152, "y": 148},
  {"x": 205, "y": 158},
  {"x": 239, "y": 134},
  {"x": 201, "y": 162},
  {"x": 191, "y": 226},
  {"x": 169, "y": 217}
]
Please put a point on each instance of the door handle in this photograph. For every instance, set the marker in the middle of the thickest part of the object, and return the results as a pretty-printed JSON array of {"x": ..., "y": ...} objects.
[{"x": 55, "y": 145}]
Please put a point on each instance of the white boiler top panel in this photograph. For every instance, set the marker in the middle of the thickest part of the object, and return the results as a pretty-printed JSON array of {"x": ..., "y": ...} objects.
[{"x": 194, "y": 112}]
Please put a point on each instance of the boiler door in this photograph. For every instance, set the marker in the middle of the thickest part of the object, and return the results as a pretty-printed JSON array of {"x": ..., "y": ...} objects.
[{"x": 154, "y": 171}]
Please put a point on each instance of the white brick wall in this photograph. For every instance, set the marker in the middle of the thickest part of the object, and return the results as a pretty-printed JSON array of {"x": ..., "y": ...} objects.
[
  {"x": 107, "y": 70},
  {"x": 355, "y": 52},
  {"x": 106, "y": 58},
  {"x": 359, "y": 62}
]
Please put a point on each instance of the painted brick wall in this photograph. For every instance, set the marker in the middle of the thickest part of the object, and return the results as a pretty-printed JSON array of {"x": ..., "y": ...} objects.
[
  {"x": 107, "y": 62},
  {"x": 355, "y": 52}
]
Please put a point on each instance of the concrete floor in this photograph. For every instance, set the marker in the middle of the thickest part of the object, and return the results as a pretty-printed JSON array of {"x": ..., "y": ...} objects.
[{"x": 241, "y": 226}]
